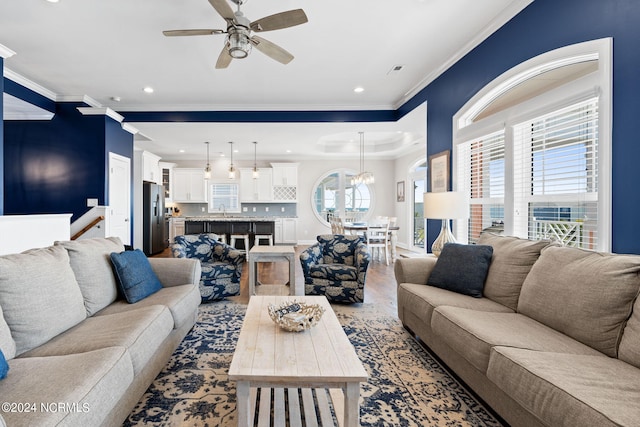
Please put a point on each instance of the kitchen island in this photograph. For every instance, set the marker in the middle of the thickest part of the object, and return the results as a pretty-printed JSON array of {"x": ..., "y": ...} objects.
[{"x": 231, "y": 225}]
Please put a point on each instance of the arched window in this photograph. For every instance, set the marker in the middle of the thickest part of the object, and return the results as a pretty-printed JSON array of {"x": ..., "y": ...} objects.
[
  {"x": 532, "y": 150},
  {"x": 334, "y": 194}
]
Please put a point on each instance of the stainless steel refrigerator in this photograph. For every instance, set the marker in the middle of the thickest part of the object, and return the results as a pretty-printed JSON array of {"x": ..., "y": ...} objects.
[{"x": 154, "y": 239}]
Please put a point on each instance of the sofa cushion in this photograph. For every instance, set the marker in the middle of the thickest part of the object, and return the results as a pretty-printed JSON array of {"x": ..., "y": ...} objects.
[
  {"x": 422, "y": 300},
  {"x": 586, "y": 295},
  {"x": 182, "y": 302},
  {"x": 473, "y": 333},
  {"x": 7, "y": 344},
  {"x": 4, "y": 366},
  {"x": 136, "y": 279},
  {"x": 89, "y": 259},
  {"x": 511, "y": 262},
  {"x": 90, "y": 383},
  {"x": 462, "y": 268},
  {"x": 39, "y": 295},
  {"x": 568, "y": 389},
  {"x": 339, "y": 248},
  {"x": 140, "y": 331},
  {"x": 629, "y": 349}
]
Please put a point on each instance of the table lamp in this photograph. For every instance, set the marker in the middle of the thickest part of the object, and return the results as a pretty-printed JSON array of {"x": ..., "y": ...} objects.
[{"x": 445, "y": 206}]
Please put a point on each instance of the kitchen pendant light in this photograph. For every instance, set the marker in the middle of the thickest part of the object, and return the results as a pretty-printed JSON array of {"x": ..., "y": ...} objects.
[
  {"x": 256, "y": 174},
  {"x": 363, "y": 177},
  {"x": 207, "y": 169},
  {"x": 232, "y": 169}
]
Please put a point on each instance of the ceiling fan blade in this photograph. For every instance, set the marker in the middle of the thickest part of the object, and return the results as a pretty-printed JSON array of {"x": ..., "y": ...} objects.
[
  {"x": 224, "y": 59},
  {"x": 280, "y": 20},
  {"x": 223, "y": 9},
  {"x": 271, "y": 50},
  {"x": 174, "y": 33}
]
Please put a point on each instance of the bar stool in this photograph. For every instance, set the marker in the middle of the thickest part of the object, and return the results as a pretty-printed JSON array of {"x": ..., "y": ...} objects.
[
  {"x": 258, "y": 237},
  {"x": 222, "y": 238},
  {"x": 244, "y": 237}
]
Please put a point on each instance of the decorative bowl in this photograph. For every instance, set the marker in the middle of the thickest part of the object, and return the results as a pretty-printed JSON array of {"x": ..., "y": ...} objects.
[{"x": 295, "y": 316}]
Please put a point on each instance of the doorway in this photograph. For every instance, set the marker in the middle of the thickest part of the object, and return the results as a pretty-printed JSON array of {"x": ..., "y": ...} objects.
[{"x": 119, "y": 203}]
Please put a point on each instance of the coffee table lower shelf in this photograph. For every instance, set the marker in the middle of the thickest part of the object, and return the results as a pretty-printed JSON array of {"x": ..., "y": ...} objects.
[{"x": 299, "y": 407}]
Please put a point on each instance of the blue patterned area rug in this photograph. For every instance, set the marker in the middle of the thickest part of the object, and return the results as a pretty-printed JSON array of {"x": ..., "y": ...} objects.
[{"x": 406, "y": 387}]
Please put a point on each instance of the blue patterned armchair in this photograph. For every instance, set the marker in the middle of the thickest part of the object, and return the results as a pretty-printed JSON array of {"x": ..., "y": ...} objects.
[
  {"x": 221, "y": 264},
  {"x": 336, "y": 267}
]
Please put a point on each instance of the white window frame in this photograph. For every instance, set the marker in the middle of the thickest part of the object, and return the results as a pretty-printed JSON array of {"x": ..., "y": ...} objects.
[
  {"x": 342, "y": 172},
  {"x": 599, "y": 83}
]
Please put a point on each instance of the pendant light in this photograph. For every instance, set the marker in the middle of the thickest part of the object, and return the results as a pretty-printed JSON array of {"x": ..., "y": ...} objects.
[
  {"x": 363, "y": 177},
  {"x": 207, "y": 169},
  {"x": 232, "y": 169},
  {"x": 256, "y": 174}
]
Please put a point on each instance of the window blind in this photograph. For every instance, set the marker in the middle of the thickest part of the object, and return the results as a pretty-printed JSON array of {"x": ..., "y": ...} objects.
[
  {"x": 224, "y": 196},
  {"x": 481, "y": 174},
  {"x": 556, "y": 176}
]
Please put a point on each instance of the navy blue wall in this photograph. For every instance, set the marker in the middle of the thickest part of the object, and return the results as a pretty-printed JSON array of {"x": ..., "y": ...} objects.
[
  {"x": 543, "y": 26},
  {"x": 54, "y": 166}
]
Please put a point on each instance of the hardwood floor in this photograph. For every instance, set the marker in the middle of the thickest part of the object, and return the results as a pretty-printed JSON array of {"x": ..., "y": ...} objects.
[{"x": 380, "y": 284}]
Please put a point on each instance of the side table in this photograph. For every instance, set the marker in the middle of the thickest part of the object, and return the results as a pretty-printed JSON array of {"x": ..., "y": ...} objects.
[{"x": 273, "y": 254}]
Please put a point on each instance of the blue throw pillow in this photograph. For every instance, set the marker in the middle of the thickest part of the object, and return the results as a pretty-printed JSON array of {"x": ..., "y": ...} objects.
[
  {"x": 4, "y": 366},
  {"x": 462, "y": 268},
  {"x": 136, "y": 278}
]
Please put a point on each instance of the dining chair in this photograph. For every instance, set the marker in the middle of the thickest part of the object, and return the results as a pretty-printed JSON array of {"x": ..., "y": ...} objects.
[{"x": 378, "y": 237}]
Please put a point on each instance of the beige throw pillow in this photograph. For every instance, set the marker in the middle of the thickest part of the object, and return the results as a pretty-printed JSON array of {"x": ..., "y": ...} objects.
[
  {"x": 39, "y": 296},
  {"x": 586, "y": 295},
  {"x": 511, "y": 262}
]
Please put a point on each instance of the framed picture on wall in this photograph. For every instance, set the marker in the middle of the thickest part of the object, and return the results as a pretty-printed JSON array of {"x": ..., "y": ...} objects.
[
  {"x": 400, "y": 191},
  {"x": 439, "y": 171}
]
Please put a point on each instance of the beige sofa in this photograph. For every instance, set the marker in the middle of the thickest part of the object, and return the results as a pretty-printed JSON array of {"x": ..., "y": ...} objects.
[
  {"x": 78, "y": 354},
  {"x": 554, "y": 341}
]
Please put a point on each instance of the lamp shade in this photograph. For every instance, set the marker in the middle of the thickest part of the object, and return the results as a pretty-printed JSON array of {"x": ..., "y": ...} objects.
[{"x": 446, "y": 205}]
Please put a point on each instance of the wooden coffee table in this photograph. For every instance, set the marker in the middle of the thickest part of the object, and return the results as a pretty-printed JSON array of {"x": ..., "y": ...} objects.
[{"x": 295, "y": 364}]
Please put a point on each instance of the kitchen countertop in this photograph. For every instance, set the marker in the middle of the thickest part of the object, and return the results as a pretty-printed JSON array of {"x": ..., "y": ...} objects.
[{"x": 235, "y": 218}]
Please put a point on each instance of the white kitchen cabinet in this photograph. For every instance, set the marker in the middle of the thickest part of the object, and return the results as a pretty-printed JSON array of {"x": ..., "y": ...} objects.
[
  {"x": 150, "y": 168},
  {"x": 256, "y": 190},
  {"x": 285, "y": 174},
  {"x": 286, "y": 231},
  {"x": 289, "y": 230},
  {"x": 189, "y": 186},
  {"x": 166, "y": 171},
  {"x": 176, "y": 228},
  {"x": 285, "y": 182}
]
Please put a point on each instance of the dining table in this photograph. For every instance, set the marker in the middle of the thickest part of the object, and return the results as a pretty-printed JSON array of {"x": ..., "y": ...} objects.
[{"x": 361, "y": 227}]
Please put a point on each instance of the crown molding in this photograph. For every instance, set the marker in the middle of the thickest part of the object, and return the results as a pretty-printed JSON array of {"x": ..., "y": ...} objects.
[
  {"x": 92, "y": 111},
  {"x": 5, "y": 52},
  {"x": 79, "y": 98},
  {"x": 28, "y": 116},
  {"x": 136, "y": 108},
  {"x": 498, "y": 22},
  {"x": 129, "y": 128},
  {"x": 29, "y": 84}
]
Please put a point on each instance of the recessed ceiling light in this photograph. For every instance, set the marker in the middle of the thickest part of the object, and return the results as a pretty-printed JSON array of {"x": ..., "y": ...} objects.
[
  {"x": 287, "y": 151},
  {"x": 180, "y": 151},
  {"x": 358, "y": 89},
  {"x": 148, "y": 89},
  {"x": 53, "y": 1},
  {"x": 116, "y": 98}
]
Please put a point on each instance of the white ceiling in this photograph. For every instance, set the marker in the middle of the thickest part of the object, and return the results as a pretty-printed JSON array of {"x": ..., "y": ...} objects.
[{"x": 108, "y": 49}]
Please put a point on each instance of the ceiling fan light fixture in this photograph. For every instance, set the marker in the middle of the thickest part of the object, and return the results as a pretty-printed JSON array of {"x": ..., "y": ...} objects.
[{"x": 239, "y": 45}]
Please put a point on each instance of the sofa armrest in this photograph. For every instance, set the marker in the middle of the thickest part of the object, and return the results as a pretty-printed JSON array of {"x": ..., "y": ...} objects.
[
  {"x": 414, "y": 270},
  {"x": 176, "y": 271}
]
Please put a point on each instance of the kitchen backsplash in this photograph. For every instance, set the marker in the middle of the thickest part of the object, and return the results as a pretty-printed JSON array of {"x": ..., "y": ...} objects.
[{"x": 261, "y": 209}]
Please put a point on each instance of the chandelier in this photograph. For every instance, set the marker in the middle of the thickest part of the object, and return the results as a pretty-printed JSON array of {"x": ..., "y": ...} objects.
[{"x": 364, "y": 177}]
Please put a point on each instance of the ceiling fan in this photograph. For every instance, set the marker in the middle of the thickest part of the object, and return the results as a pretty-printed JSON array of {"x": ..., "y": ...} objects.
[{"x": 239, "y": 32}]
